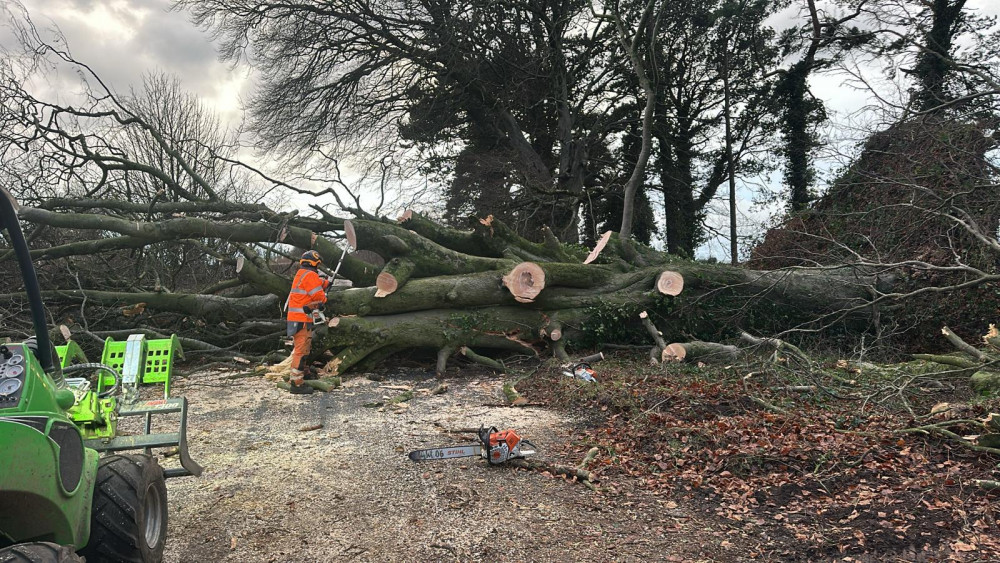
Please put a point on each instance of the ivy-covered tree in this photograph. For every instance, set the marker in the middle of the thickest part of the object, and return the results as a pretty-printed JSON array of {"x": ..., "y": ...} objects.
[
  {"x": 819, "y": 42},
  {"x": 703, "y": 50}
]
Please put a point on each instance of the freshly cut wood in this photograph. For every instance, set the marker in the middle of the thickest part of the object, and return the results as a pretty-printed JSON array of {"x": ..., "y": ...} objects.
[
  {"x": 525, "y": 281},
  {"x": 670, "y": 283},
  {"x": 326, "y": 384},
  {"x": 393, "y": 276},
  {"x": 333, "y": 322},
  {"x": 555, "y": 330},
  {"x": 675, "y": 352},
  {"x": 349, "y": 233},
  {"x": 601, "y": 243},
  {"x": 705, "y": 352}
]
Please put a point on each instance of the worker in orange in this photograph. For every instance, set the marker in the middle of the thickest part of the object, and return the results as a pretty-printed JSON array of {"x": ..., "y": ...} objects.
[{"x": 308, "y": 294}]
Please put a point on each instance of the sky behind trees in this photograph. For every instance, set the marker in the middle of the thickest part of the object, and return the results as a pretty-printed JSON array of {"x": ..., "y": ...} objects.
[{"x": 121, "y": 40}]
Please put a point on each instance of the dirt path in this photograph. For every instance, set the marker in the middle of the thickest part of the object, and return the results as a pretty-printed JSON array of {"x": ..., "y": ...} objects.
[{"x": 272, "y": 492}]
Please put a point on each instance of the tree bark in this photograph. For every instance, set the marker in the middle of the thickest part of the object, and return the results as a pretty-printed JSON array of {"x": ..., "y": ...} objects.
[
  {"x": 448, "y": 289},
  {"x": 705, "y": 352},
  {"x": 986, "y": 383}
]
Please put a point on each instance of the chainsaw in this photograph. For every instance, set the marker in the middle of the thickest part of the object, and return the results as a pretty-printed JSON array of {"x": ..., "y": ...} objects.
[{"x": 496, "y": 446}]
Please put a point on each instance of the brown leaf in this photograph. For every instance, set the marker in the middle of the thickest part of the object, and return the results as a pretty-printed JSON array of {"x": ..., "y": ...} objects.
[
  {"x": 962, "y": 546},
  {"x": 134, "y": 310}
]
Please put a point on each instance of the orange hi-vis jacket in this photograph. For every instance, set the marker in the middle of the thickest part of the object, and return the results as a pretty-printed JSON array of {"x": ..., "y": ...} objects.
[{"x": 308, "y": 289}]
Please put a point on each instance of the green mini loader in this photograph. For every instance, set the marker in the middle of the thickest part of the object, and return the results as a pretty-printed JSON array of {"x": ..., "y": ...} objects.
[{"x": 67, "y": 489}]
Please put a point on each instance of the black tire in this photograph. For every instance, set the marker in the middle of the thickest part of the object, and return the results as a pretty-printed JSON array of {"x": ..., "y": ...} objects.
[
  {"x": 39, "y": 552},
  {"x": 129, "y": 519}
]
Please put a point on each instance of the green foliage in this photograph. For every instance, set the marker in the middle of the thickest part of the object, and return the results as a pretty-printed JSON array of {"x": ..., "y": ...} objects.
[
  {"x": 462, "y": 325},
  {"x": 612, "y": 322}
]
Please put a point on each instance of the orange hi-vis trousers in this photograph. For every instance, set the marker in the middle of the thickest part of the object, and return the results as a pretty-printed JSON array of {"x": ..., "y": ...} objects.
[{"x": 302, "y": 345}]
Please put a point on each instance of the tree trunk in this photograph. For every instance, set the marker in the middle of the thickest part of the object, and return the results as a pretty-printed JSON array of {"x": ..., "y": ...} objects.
[
  {"x": 705, "y": 352},
  {"x": 986, "y": 383},
  {"x": 453, "y": 289}
]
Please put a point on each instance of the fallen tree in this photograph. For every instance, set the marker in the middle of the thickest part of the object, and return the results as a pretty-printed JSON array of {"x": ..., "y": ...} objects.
[
  {"x": 140, "y": 227},
  {"x": 475, "y": 291}
]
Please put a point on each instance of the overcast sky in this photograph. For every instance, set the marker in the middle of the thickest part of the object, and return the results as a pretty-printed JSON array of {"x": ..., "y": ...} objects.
[{"x": 123, "y": 39}]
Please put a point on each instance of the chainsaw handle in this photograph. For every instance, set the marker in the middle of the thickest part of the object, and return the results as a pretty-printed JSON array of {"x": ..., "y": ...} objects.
[{"x": 484, "y": 436}]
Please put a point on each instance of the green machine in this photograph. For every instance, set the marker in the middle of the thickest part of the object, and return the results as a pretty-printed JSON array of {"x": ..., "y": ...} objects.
[{"x": 67, "y": 487}]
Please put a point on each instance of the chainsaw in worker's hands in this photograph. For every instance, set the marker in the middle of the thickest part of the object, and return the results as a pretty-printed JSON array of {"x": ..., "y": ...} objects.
[{"x": 496, "y": 446}]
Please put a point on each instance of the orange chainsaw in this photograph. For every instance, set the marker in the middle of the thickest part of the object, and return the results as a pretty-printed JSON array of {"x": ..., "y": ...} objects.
[{"x": 496, "y": 446}]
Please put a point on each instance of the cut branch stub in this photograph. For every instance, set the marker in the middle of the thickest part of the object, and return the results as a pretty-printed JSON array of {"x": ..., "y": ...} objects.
[
  {"x": 393, "y": 276},
  {"x": 555, "y": 330},
  {"x": 525, "y": 281},
  {"x": 385, "y": 284},
  {"x": 352, "y": 238},
  {"x": 670, "y": 283},
  {"x": 598, "y": 247}
]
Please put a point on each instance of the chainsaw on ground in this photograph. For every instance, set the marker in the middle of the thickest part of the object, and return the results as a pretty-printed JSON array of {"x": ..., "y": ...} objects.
[{"x": 496, "y": 446}]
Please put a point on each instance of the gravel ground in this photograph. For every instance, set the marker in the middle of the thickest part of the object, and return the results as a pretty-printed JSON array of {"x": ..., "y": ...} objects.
[{"x": 273, "y": 491}]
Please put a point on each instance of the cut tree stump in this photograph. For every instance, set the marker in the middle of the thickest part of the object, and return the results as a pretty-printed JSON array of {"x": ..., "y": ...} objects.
[
  {"x": 670, "y": 283},
  {"x": 525, "y": 281},
  {"x": 395, "y": 273}
]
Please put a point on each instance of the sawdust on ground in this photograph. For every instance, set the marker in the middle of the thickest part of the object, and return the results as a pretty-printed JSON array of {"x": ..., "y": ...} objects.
[{"x": 274, "y": 490}]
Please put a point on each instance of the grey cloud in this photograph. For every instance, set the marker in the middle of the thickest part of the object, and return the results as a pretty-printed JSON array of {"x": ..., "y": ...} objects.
[{"x": 163, "y": 41}]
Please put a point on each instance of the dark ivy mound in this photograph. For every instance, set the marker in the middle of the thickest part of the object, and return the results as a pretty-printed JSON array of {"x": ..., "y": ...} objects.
[{"x": 905, "y": 199}]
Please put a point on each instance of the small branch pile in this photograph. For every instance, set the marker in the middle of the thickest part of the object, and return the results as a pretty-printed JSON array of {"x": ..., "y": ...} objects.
[{"x": 983, "y": 365}]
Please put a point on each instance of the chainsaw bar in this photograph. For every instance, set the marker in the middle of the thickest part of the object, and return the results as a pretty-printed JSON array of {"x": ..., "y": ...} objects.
[
  {"x": 461, "y": 451},
  {"x": 446, "y": 453}
]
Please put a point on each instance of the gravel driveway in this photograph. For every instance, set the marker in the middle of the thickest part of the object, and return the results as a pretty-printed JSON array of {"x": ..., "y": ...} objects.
[{"x": 274, "y": 490}]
